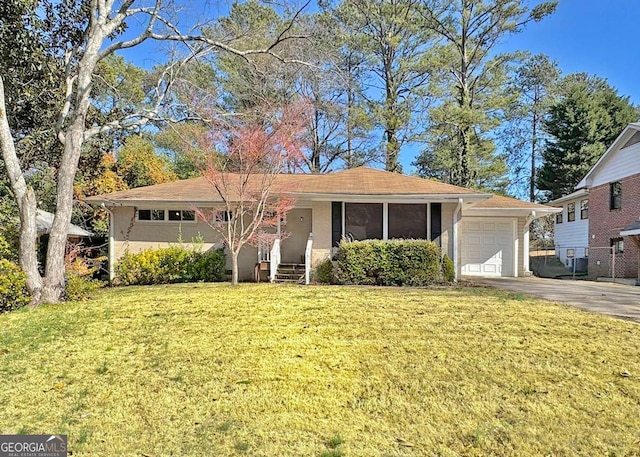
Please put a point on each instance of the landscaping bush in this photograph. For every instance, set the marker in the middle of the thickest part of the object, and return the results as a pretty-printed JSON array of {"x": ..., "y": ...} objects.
[
  {"x": 80, "y": 288},
  {"x": 324, "y": 272},
  {"x": 13, "y": 287},
  {"x": 448, "y": 269},
  {"x": 390, "y": 263},
  {"x": 177, "y": 263}
]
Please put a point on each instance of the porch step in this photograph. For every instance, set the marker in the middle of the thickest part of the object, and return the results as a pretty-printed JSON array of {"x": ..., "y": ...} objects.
[{"x": 290, "y": 273}]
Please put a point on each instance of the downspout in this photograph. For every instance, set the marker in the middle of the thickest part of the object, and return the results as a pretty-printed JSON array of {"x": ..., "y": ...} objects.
[
  {"x": 456, "y": 219},
  {"x": 111, "y": 242},
  {"x": 525, "y": 242}
]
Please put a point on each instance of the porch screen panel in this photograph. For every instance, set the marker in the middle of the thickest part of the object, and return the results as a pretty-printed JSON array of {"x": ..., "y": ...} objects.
[
  {"x": 407, "y": 221},
  {"x": 363, "y": 221},
  {"x": 436, "y": 222},
  {"x": 336, "y": 223}
]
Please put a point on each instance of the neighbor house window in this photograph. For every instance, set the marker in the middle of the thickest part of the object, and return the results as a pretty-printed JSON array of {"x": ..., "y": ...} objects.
[
  {"x": 584, "y": 209},
  {"x": 559, "y": 218},
  {"x": 181, "y": 215},
  {"x": 571, "y": 253},
  {"x": 618, "y": 245},
  {"x": 571, "y": 212},
  {"x": 615, "y": 191},
  {"x": 151, "y": 214},
  {"x": 363, "y": 221}
]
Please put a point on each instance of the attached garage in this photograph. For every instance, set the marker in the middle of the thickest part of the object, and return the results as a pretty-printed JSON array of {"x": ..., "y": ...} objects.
[{"x": 488, "y": 246}]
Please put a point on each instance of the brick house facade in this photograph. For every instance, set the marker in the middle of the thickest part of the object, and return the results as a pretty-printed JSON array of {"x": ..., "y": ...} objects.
[{"x": 605, "y": 228}]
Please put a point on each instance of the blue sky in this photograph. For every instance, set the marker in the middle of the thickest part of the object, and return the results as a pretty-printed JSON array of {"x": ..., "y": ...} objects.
[{"x": 595, "y": 36}]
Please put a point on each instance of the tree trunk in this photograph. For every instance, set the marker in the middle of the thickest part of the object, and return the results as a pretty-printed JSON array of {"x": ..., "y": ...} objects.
[
  {"x": 28, "y": 251},
  {"x": 393, "y": 149},
  {"x": 54, "y": 281},
  {"x": 534, "y": 140},
  {"x": 234, "y": 268},
  {"x": 26, "y": 200}
]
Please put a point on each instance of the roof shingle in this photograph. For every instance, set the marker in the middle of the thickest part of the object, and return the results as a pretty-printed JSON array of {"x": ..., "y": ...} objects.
[{"x": 356, "y": 181}]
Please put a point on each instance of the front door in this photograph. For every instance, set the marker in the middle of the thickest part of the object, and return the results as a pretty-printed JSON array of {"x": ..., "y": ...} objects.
[{"x": 296, "y": 229}]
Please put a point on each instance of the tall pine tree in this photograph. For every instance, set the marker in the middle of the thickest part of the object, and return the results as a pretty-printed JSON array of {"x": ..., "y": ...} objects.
[{"x": 582, "y": 124}]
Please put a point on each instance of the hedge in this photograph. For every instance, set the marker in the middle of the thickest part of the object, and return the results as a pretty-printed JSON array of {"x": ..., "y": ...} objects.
[
  {"x": 392, "y": 263},
  {"x": 177, "y": 263},
  {"x": 13, "y": 287}
]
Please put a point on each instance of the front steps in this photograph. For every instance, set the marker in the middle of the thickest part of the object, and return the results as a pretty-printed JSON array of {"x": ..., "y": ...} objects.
[{"x": 290, "y": 273}]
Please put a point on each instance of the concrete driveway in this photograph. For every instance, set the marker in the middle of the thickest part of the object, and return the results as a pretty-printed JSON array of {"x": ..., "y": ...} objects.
[{"x": 614, "y": 299}]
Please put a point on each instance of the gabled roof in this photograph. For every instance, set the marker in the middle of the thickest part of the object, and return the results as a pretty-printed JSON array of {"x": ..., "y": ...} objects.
[
  {"x": 361, "y": 181},
  {"x": 500, "y": 202},
  {"x": 499, "y": 205},
  {"x": 619, "y": 143},
  {"x": 577, "y": 194},
  {"x": 44, "y": 222}
]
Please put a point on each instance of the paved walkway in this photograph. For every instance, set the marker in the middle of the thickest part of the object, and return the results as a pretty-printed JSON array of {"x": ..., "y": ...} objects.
[{"x": 600, "y": 297}]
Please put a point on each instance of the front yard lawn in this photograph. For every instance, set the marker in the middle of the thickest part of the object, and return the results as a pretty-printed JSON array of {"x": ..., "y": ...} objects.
[{"x": 265, "y": 370}]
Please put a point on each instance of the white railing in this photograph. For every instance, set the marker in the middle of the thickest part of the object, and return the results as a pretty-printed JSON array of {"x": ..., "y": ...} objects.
[
  {"x": 274, "y": 259},
  {"x": 307, "y": 259},
  {"x": 264, "y": 251}
]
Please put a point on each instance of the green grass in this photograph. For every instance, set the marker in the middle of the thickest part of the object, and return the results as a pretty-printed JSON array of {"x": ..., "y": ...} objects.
[{"x": 266, "y": 370}]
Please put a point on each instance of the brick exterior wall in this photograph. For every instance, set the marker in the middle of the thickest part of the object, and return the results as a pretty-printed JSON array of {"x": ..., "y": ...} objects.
[{"x": 606, "y": 224}]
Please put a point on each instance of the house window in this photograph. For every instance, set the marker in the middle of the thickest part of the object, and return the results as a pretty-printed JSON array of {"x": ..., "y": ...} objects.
[
  {"x": 407, "y": 221},
  {"x": 586, "y": 252},
  {"x": 272, "y": 215},
  {"x": 571, "y": 212},
  {"x": 571, "y": 253},
  {"x": 363, "y": 221},
  {"x": 181, "y": 215},
  {"x": 559, "y": 218},
  {"x": 151, "y": 215},
  {"x": 615, "y": 191},
  {"x": 584, "y": 209},
  {"x": 618, "y": 245},
  {"x": 222, "y": 216}
]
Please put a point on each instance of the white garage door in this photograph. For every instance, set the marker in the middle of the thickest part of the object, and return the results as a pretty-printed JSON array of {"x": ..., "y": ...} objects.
[{"x": 487, "y": 246}]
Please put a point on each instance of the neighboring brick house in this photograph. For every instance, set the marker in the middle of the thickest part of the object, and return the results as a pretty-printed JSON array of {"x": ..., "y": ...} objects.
[
  {"x": 617, "y": 204},
  {"x": 613, "y": 186}
]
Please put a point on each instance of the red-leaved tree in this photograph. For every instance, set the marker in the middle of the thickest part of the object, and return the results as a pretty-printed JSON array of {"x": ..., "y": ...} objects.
[{"x": 245, "y": 161}]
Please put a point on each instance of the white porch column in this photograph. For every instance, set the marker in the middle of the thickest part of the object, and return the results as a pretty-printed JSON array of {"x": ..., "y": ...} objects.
[
  {"x": 515, "y": 248},
  {"x": 385, "y": 221},
  {"x": 525, "y": 242},
  {"x": 456, "y": 219}
]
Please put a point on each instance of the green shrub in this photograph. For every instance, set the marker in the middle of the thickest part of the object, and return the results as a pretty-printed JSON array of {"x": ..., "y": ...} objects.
[
  {"x": 389, "y": 263},
  {"x": 324, "y": 272},
  {"x": 80, "y": 288},
  {"x": 448, "y": 270},
  {"x": 13, "y": 287},
  {"x": 176, "y": 263}
]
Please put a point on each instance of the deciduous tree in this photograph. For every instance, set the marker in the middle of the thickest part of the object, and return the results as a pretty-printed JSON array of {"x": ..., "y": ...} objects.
[
  {"x": 81, "y": 35},
  {"x": 245, "y": 160}
]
